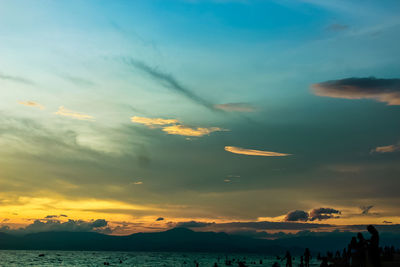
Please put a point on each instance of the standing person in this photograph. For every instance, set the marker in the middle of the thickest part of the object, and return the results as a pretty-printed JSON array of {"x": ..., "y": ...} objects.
[
  {"x": 354, "y": 257},
  {"x": 288, "y": 257},
  {"x": 307, "y": 257},
  {"x": 373, "y": 247},
  {"x": 301, "y": 262},
  {"x": 361, "y": 250}
]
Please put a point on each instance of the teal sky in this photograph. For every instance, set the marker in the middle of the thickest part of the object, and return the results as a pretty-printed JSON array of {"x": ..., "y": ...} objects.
[{"x": 211, "y": 110}]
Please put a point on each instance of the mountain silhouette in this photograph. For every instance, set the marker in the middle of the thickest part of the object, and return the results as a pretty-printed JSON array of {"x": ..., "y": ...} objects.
[{"x": 177, "y": 240}]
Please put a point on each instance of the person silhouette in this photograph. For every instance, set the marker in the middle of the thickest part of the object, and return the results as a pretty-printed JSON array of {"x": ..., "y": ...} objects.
[
  {"x": 288, "y": 257},
  {"x": 301, "y": 262},
  {"x": 373, "y": 246},
  {"x": 361, "y": 250},
  {"x": 307, "y": 257},
  {"x": 354, "y": 257}
]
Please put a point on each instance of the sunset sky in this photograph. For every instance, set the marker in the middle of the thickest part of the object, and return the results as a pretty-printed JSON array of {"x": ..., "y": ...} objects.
[{"x": 256, "y": 115}]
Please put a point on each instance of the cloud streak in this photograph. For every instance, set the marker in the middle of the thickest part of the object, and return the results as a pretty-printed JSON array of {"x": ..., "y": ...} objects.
[
  {"x": 235, "y": 107},
  {"x": 188, "y": 131},
  {"x": 175, "y": 127},
  {"x": 170, "y": 82},
  {"x": 381, "y": 90},
  {"x": 386, "y": 149},
  {"x": 31, "y": 104},
  {"x": 253, "y": 152},
  {"x": 15, "y": 79},
  {"x": 152, "y": 122},
  {"x": 73, "y": 114}
]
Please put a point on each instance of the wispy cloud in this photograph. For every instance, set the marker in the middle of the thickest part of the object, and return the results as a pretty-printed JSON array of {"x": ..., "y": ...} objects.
[
  {"x": 169, "y": 81},
  {"x": 151, "y": 122},
  {"x": 15, "y": 79},
  {"x": 253, "y": 152},
  {"x": 365, "y": 209},
  {"x": 73, "y": 114},
  {"x": 188, "y": 131},
  {"x": 235, "y": 107},
  {"x": 31, "y": 104},
  {"x": 382, "y": 90},
  {"x": 386, "y": 149},
  {"x": 175, "y": 127}
]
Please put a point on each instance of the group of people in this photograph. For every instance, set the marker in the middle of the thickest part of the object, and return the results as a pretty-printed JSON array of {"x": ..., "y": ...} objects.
[
  {"x": 360, "y": 252},
  {"x": 304, "y": 260}
]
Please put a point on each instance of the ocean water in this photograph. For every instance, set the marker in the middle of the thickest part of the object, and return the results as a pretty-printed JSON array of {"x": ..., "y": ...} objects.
[{"x": 11, "y": 258}]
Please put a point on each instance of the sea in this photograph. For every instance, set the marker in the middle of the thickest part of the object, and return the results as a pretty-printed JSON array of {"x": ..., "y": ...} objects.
[{"x": 11, "y": 258}]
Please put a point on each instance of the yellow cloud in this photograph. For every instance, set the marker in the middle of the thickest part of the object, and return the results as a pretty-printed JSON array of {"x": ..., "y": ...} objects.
[
  {"x": 252, "y": 152},
  {"x": 151, "y": 122},
  {"x": 188, "y": 131},
  {"x": 387, "y": 149},
  {"x": 174, "y": 126},
  {"x": 31, "y": 104},
  {"x": 69, "y": 113}
]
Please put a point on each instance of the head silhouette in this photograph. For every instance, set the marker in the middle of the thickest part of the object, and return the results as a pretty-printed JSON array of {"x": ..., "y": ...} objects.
[
  {"x": 372, "y": 230},
  {"x": 360, "y": 236}
]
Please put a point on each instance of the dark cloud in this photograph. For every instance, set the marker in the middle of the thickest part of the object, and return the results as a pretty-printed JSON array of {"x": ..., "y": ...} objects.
[
  {"x": 99, "y": 225},
  {"x": 387, "y": 228},
  {"x": 51, "y": 216},
  {"x": 251, "y": 226},
  {"x": 297, "y": 215},
  {"x": 365, "y": 209},
  {"x": 170, "y": 82},
  {"x": 160, "y": 219},
  {"x": 315, "y": 214},
  {"x": 15, "y": 79},
  {"x": 193, "y": 224},
  {"x": 382, "y": 90},
  {"x": 323, "y": 214}
]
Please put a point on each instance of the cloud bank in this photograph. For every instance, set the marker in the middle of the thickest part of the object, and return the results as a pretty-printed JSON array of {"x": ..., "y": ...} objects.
[
  {"x": 99, "y": 225},
  {"x": 253, "y": 152},
  {"x": 381, "y": 90}
]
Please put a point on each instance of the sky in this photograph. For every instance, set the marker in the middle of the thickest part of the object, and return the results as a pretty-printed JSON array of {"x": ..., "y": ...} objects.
[{"x": 247, "y": 115}]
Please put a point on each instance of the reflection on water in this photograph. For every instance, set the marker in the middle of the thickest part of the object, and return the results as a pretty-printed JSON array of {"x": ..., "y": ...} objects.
[{"x": 100, "y": 258}]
